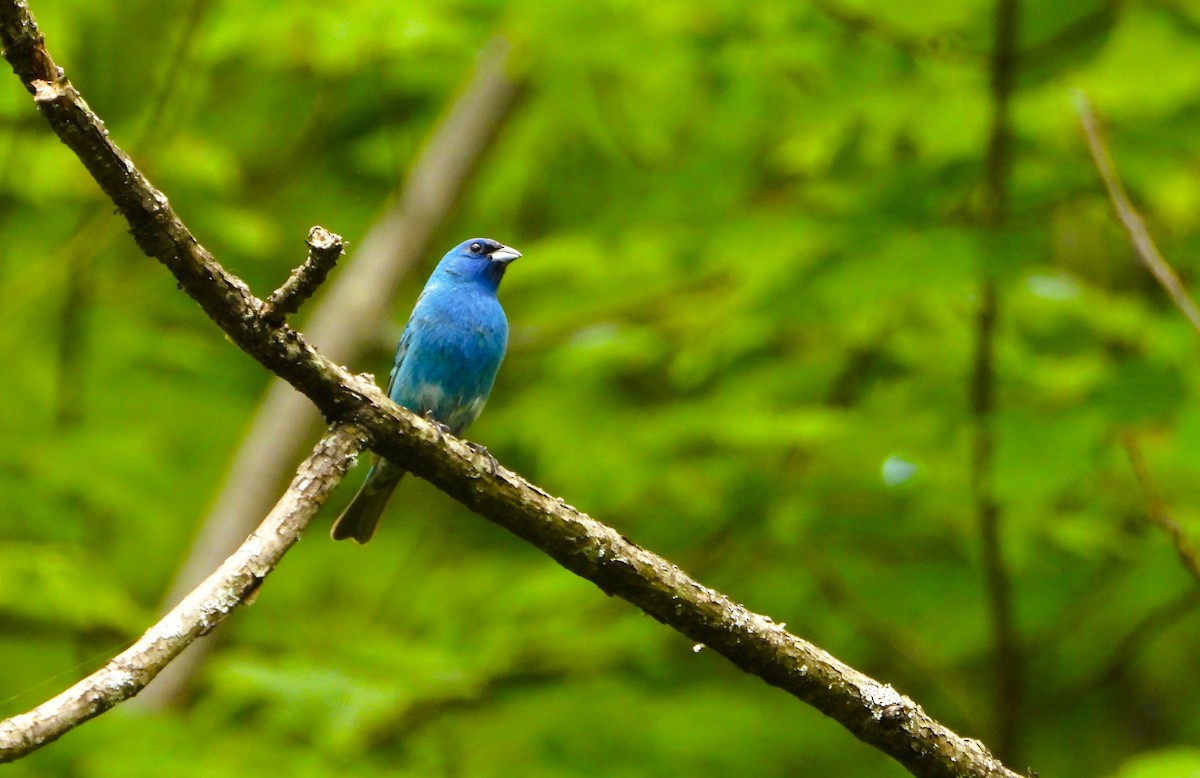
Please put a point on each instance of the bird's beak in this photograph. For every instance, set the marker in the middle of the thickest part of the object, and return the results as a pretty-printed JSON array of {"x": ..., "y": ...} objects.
[{"x": 504, "y": 255}]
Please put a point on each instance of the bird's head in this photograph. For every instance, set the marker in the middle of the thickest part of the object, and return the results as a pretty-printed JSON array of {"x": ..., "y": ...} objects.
[{"x": 478, "y": 259}]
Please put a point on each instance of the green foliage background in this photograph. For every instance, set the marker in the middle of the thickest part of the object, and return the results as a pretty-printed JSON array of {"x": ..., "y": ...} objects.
[{"x": 743, "y": 335}]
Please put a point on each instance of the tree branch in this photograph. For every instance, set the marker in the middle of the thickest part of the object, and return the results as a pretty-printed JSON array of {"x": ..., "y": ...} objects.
[
  {"x": 324, "y": 249},
  {"x": 228, "y": 587},
  {"x": 1147, "y": 251},
  {"x": 872, "y": 711},
  {"x": 1143, "y": 244}
]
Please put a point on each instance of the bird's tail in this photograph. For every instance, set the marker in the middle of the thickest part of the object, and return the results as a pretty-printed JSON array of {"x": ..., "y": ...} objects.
[{"x": 361, "y": 516}]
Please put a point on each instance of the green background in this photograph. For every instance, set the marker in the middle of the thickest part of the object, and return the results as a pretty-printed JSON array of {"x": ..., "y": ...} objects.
[{"x": 743, "y": 334}]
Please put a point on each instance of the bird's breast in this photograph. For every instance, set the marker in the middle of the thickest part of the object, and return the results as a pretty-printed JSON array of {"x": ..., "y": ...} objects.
[{"x": 451, "y": 362}]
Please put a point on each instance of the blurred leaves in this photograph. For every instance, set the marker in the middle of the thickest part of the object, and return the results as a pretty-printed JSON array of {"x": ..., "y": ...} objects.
[
  {"x": 45, "y": 584},
  {"x": 742, "y": 335}
]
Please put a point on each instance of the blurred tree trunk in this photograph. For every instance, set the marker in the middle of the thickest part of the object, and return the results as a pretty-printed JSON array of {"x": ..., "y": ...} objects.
[{"x": 346, "y": 321}]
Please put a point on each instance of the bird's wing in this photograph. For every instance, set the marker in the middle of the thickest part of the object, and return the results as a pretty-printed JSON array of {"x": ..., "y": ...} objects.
[{"x": 401, "y": 352}]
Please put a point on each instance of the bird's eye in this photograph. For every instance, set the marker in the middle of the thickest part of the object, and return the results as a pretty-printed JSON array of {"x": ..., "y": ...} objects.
[{"x": 476, "y": 248}]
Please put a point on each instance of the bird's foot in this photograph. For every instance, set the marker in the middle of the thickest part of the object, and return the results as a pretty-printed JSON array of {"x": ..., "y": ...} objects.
[
  {"x": 492, "y": 463},
  {"x": 441, "y": 429}
]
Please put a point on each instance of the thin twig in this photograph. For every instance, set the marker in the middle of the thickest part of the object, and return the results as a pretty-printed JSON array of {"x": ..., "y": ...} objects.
[
  {"x": 1139, "y": 235},
  {"x": 1154, "y": 261},
  {"x": 324, "y": 249},
  {"x": 233, "y": 582},
  {"x": 1152, "y": 624},
  {"x": 1156, "y": 506}
]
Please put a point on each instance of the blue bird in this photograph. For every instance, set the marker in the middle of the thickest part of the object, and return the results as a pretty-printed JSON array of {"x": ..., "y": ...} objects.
[{"x": 445, "y": 365}]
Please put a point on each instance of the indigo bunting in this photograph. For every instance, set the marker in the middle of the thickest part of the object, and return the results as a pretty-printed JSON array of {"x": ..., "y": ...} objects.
[{"x": 445, "y": 365}]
